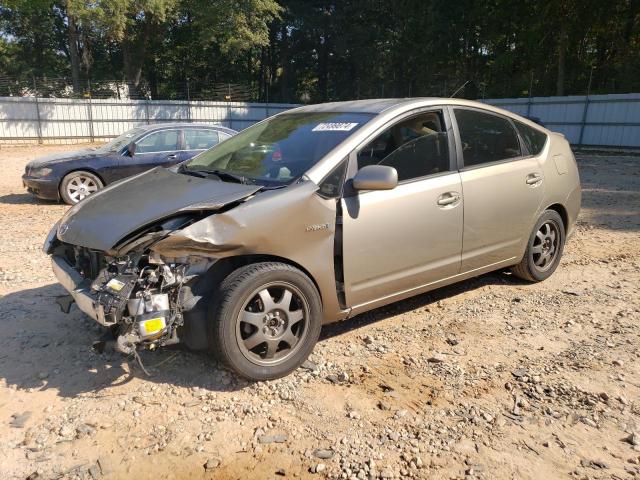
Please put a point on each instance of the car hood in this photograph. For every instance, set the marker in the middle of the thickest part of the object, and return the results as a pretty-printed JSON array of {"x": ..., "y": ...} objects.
[
  {"x": 106, "y": 217},
  {"x": 66, "y": 156}
]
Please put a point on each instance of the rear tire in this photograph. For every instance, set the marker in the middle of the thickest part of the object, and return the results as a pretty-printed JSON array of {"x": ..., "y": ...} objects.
[
  {"x": 544, "y": 249},
  {"x": 265, "y": 320},
  {"x": 76, "y": 186}
]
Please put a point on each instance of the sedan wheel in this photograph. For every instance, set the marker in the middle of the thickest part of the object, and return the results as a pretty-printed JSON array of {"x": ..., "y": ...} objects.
[
  {"x": 272, "y": 324},
  {"x": 544, "y": 249},
  {"x": 545, "y": 245},
  {"x": 265, "y": 320},
  {"x": 77, "y": 186}
]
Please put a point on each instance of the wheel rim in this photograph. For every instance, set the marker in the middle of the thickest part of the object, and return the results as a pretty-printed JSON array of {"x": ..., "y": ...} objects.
[
  {"x": 545, "y": 245},
  {"x": 272, "y": 324},
  {"x": 80, "y": 187}
]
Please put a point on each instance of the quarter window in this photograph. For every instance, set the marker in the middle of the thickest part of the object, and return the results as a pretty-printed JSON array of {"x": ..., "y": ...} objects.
[
  {"x": 331, "y": 186},
  {"x": 415, "y": 147},
  {"x": 533, "y": 139},
  {"x": 162, "y": 141},
  {"x": 200, "y": 139},
  {"x": 486, "y": 138}
]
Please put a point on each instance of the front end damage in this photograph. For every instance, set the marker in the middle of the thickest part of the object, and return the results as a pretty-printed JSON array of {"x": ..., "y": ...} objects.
[
  {"x": 152, "y": 282},
  {"x": 139, "y": 297},
  {"x": 101, "y": 253}
]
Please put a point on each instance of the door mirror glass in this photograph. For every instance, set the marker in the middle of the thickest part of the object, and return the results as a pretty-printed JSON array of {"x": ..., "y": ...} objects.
[
  {"x": 131, "y": 149},
  {"x": 376, "y": 177}
]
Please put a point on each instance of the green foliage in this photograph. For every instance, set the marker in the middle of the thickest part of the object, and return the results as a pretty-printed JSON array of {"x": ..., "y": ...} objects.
[{"x": 317, "y": 50}]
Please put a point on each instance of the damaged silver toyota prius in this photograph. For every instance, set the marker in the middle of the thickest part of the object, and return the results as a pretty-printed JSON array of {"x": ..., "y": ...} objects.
[{"x": 312, "y": 216}]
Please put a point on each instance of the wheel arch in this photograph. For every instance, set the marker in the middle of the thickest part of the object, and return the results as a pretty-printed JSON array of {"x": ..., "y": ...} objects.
[
  {"x": 223, "y": 267},
  {"x": 562, "y": 211}
]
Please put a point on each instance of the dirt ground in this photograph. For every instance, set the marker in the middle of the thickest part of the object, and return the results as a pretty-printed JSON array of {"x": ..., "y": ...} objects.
[{"x": 490, "y": 378}]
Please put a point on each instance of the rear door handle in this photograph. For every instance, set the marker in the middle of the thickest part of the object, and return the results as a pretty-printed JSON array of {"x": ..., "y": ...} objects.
[
  {"x": 533, "y": 178},
  {"x": 448, "y": 198},
  {"x": 172, "y": 156}
]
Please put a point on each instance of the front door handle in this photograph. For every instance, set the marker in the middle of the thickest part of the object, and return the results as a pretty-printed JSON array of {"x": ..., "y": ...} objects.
[
  {"x": 448, "y": 198},
  {"x": 172, "y": 156},
  {"x": 533, "y": 178}
]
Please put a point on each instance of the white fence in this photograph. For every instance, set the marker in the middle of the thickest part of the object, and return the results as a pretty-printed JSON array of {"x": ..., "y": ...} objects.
[
  {"x": 64, "y": 120},
  {"x": 595, "y": 120}
]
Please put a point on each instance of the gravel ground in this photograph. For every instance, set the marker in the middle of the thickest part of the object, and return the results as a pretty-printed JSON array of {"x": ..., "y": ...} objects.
[{"x": 490, "y": 378}]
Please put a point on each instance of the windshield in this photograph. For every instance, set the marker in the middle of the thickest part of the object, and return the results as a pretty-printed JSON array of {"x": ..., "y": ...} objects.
[
  {"x": 280, "y": 149},
  {"x": 120, "y": 142}
]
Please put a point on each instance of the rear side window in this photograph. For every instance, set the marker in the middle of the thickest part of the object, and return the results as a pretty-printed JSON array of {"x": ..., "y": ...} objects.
[
  {"x": 533, "y": 139},
  {"x": 200, "y": 139},
  {"x": 485, "y": 137}
]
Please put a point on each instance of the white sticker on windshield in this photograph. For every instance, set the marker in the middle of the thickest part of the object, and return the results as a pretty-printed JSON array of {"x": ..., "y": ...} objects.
[{"x": 334, "y": 127}]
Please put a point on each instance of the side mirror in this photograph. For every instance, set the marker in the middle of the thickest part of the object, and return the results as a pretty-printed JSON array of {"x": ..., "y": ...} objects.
[
  {"x": 131, "y": 149},
  {"x": 376, "y": 177}
]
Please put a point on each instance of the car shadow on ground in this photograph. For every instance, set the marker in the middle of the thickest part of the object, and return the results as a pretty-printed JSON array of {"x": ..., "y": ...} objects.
[
  {"x": 419, "y": 302},
  {"x": 25, "y": 199},
  {"x": 43, "y": 348}
]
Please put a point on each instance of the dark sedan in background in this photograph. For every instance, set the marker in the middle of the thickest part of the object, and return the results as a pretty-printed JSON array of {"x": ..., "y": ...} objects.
[{"x": 72, "y": 176}]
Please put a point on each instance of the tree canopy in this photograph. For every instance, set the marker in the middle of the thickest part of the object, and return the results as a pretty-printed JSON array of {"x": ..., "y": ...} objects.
[{"x": 315, "y": 50}]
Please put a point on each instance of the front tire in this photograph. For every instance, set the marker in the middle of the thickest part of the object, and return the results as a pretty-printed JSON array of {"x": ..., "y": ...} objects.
[
  {"x": 265, "y": 320},
  {"x": 544, "y": 249},
  {"x": 76, "y": 186}
]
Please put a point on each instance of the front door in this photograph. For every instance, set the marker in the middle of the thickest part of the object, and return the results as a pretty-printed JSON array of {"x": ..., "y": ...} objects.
[
  {"x": 503, "y": 189},
  {"x": 399, "y": 240},
  {"x": 159, "y": 148}
]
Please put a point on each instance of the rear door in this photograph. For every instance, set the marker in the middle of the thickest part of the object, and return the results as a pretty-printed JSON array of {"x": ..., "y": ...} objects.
[
  {"x": 396, "y": 241},
  {"x": 503, "y": 188},
  {"x": 157, "y": 148}
]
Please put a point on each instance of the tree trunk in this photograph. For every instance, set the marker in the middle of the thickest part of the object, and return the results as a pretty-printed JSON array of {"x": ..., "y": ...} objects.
[
  {"x": 323, "y": 67},
  {"x": 284, "y": 62},
  {"x": 132, "y": 68},
  {"x": 134, "y": 55},
  {"x": 74, "y": 56},
  {"x": 562, "y": 54}
]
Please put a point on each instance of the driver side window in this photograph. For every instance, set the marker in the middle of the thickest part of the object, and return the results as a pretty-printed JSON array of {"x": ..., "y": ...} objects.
[{"x": 415, "y": 147}]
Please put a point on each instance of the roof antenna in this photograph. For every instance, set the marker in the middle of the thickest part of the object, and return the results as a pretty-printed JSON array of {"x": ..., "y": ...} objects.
[{"x": 461, "y": 87}]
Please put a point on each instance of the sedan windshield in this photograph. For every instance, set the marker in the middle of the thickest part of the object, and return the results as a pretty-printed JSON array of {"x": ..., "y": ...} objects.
[
  {"x": 280, "y": 149},
  {"x": 120, "y": 142}
]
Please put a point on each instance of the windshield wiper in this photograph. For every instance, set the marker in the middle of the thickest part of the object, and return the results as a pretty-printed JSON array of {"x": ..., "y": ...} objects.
[{"x": 222, "y": 175}]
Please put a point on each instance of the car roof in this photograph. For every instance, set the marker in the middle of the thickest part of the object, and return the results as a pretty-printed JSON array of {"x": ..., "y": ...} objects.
[
  {"x": 156, "y": 126},
  {"x": 391, "y": 106},
  {"x": 376, "y": 105},
  {"x": 382, "y": 105}
]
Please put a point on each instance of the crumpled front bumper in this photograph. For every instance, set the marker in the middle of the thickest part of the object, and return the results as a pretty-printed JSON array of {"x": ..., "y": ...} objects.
[{"x": 79, "y": 288}]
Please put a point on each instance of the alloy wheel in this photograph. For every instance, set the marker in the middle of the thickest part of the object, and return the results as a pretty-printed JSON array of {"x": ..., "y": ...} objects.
[
  {"x": 272, "y": 324},
  {"x": 80, "y": 187},
  {"x": 545, "y": 245}
]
